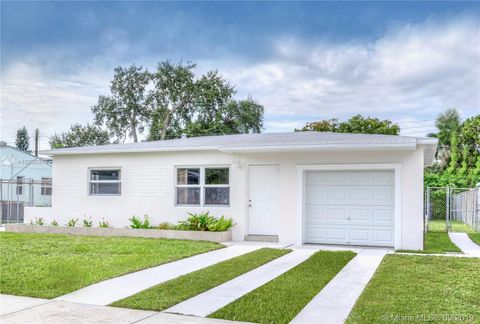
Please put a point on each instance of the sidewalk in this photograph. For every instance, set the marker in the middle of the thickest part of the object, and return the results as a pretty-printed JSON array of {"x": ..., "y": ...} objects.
[
  {"x": 15, "y": 310},
  {"x": 465, "y": 244}
]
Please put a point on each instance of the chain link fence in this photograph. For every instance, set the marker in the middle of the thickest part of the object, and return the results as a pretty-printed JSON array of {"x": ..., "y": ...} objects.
[
  {"x": 446, "y": 207},
  {"x": 15, "y": 195},
  {"x": 465, "y": 207}
]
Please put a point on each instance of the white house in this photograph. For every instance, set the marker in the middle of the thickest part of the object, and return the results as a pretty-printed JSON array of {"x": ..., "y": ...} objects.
[{"x": 303, "y": 187}]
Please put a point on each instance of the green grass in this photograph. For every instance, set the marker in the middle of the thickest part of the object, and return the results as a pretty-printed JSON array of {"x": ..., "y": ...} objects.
[
  {"x": 436, "y": 243},
  {"x": 457, "y": 226},
  {"x": 174, "y": 291},
  {"x": 50, "y": 265},
  {"x": 475, "y": 237},
  {"x": 405, "y": 288},
  {"x": 279, "y": 300}
]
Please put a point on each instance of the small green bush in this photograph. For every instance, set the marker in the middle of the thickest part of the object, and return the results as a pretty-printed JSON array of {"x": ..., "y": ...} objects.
[
  {"x": 87, "y": 222},
  {"x": 37, "y": 221},
  {"x": 137, "y": 223},
  {"x": 221, "y": 224},
  {"x": 204, "y": 222},
  {"x": 54, "y": 223},
  {"x": 72, "y": 222},
  {"x": 103, "y": 224},
  {"x": 165, "y": 226}
]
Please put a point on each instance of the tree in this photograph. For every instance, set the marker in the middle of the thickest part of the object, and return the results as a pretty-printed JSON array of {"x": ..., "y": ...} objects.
[
  {"x": 356, "y": 124},
  {"x": 22, "y": 140},
  {"x": 236, "y": 117},
  {"x": 447, "y": 123},
  {"x": 179, "y": 98},
  {"x": 470, "y": 140},
  {"x": 125, "y": 111},
  {"x": 79, "y": 135}
]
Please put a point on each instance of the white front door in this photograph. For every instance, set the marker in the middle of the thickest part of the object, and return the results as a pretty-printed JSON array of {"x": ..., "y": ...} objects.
[
  {"x": 262, "y": 199},
  {"x": 350, "y": 207}
]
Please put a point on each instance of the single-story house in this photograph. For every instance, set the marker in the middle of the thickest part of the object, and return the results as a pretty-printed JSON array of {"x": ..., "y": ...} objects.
[{"x": 302, "y": 187}]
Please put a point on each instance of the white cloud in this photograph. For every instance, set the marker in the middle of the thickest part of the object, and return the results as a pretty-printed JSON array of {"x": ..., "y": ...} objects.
[
  {"x": 416, "y": 71},
  {"x": 413, "y": 72}
]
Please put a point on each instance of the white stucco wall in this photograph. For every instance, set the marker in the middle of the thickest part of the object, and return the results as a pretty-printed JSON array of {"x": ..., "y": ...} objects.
[{"x": 148, "y": 187}]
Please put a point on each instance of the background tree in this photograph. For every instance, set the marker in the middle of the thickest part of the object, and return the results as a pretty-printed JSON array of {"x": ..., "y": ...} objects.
[
  {"x": 179, "y": 98},
  {"x": 235, "y": 117},
  {"x": 79, "y": 135},
  {"x": 22, "y": 140},
  {"x": 356, "y": 124},
  {"x": 447, "y": 123},
  {"x": 125, "y": 111},
  {"x": 458, "y": 155}
]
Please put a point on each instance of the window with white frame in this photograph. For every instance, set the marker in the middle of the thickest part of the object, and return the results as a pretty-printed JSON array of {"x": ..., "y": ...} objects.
[
  {"x": 203, "y": 186},
  {"x": 106, "y": 182}
]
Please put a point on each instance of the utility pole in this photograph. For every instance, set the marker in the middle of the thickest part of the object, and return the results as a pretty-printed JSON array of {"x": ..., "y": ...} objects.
[{"x": 36, "y": 142}]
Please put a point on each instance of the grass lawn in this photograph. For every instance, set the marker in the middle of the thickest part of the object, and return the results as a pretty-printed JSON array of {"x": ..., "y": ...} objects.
[
  {"x": 174, "y": 291},
  {"x": 436, "y": 243},
  {"x": 475, "y": 237},
  {"x": 50, "y": 265},
  {"x": 457, "y": 226},
  {"x": 417, "y": 288},
  {"x": 279, "y": 300}
]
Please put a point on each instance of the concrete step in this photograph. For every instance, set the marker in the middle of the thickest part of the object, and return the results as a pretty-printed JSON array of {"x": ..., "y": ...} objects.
[{"x": 261, "y": 238}]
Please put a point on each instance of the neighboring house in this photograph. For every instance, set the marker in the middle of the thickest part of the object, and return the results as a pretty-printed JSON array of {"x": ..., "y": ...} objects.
[
  {"x": 304, "y": 187},
  {"x": 24, "y": 177}
]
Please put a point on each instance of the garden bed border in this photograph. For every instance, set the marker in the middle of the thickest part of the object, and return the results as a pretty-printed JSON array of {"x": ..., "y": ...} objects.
[{"x": 219, "y": 237}]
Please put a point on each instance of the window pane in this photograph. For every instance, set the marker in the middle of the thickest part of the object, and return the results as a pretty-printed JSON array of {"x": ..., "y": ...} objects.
[
  {"x": 214, "y": 176},
  {"x": 188, "y": 176},
  {"x": 105, "y": 188},
  {"x": 188, "y": 196},
  {"x": 217, "y": 196},
  {"x": 105, "y": 175}
]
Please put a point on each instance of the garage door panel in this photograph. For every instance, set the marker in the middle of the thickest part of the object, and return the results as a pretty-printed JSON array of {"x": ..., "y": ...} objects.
[
  {"x": 354, "y": 215},
  {"x": 342, "y": 195},
  {"x": 359, "y": 210}
]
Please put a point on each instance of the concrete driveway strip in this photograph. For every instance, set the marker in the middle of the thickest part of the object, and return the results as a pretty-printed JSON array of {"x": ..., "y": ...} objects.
[
  {"x": 465, "y": 244},
  {"x": 11, "y": 304},
  {"x": 335, "y": 301},
  {"x": 44, "y": 311},
  {"x": 218, "y": 297},
  {"x": 109, "y": 291}
]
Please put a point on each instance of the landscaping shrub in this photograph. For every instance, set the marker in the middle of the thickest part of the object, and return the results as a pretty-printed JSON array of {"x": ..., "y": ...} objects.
[
  {"x": 165, "y": 226},
  {"x": 137, "y": 223},
  {"x": 204, "y": 222},
  {"x": 37, "y": 221},
  {"x": 103, "y": 224},
  {"x": 87, "y": 222},
  {"x": 54, "y": 223},
  {"x": 72, "y": 222},
  {"x": 221, "y": 224}
]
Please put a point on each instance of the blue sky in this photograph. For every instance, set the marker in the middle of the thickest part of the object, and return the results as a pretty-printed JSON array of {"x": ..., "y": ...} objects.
[{"x": 406, "y": 61}]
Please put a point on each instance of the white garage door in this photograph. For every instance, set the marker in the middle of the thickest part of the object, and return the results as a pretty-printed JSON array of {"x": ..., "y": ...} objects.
[{"x": 350, "y": 207}]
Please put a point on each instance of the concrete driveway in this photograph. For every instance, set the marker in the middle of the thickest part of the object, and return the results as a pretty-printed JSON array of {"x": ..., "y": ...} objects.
[{"x": 16, "y": 310}]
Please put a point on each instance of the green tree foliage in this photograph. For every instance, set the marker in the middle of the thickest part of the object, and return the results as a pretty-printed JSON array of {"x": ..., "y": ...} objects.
[
  {"x": 125, "y": 112},
  {"x": 22, "y": 140},
  {"x": 458, "y": 153},
  {"x": 356, "y": 124},
  {"x": 236, "y": 117},
  {"x": 173, "y": 100},
  {"x": 183, "y": 103},
  {"x": 79, "y": 135}
]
